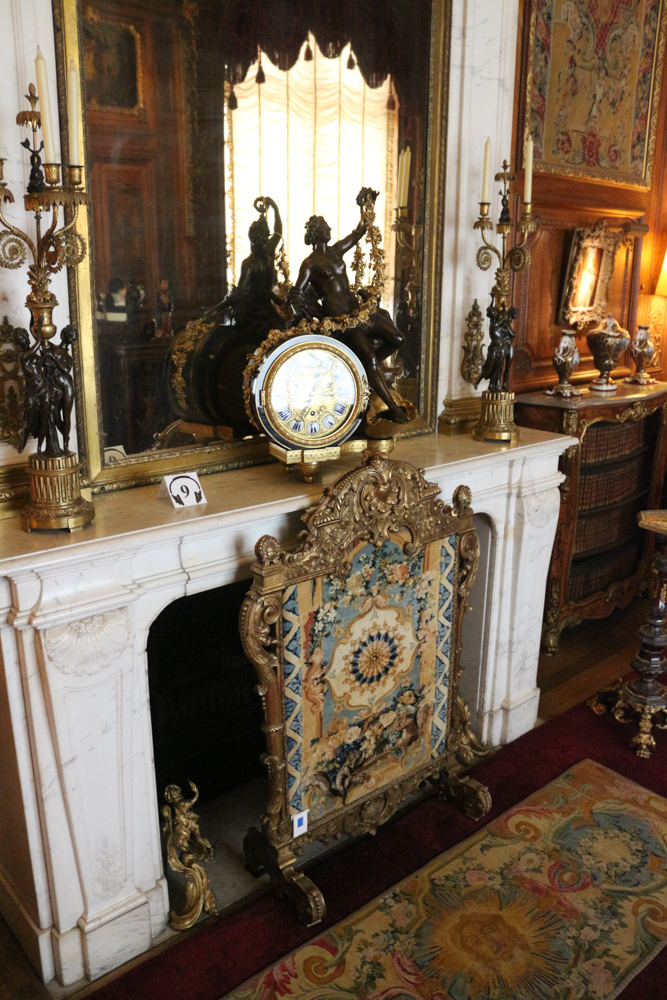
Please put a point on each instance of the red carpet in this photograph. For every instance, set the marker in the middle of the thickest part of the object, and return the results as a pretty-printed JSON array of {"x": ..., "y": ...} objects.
[{"x": 227, "y": 951}]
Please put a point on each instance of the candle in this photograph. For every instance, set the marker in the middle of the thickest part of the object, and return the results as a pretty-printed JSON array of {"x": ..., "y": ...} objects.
[
  {"x": 399, "y": 188},
  {"x": 528, "y": 168},
  {"x": 73, "y": 113},
  {"x": 406, "y": 174},
  {"x": 486, "y": 176},
  {"x": 45, "y": 108}
]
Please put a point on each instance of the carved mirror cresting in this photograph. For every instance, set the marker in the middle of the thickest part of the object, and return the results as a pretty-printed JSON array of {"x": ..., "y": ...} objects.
[{"x": 193, "y": 109}]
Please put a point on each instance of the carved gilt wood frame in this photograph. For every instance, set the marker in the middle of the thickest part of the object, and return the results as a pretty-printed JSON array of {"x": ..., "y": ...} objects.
[
  {"x": 372, "y": 503},
  {"x": 149, "y": 467},
  {"x": 599, "y": 237}
]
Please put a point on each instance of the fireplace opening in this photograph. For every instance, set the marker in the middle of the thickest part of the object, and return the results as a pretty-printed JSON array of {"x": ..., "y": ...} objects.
[
  {"x": 205, "y": 712},
  {"x": 207, "y": 720}
]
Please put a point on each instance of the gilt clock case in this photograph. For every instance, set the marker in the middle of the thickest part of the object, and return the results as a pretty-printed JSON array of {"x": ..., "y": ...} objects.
[{"x": 310, "y": 393}]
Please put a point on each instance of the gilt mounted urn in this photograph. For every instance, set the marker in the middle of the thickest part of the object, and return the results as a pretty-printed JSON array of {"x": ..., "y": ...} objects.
[{"x": 606, "y": 342}]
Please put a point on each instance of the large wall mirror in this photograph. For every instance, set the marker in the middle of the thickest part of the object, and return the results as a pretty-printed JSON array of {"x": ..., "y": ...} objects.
[{"x": 202, "y": 119}]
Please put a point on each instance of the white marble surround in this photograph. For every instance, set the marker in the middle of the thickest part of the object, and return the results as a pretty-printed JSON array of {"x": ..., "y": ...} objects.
[{"x": 81, "y": 880}]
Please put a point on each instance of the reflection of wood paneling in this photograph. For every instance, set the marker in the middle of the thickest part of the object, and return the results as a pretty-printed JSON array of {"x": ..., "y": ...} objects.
[
  {"x": 142, "y": 227},
  {"x": 125, "y": 226}
]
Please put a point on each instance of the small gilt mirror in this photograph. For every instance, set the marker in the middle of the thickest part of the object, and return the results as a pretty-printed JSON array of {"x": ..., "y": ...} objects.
[
  {"x": 589, "y": 270},
  {"x": 195, "y": 112}
]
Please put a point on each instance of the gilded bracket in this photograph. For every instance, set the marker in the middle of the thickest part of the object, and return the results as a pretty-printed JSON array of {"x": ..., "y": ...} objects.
[{"x": 473, "y": 356}]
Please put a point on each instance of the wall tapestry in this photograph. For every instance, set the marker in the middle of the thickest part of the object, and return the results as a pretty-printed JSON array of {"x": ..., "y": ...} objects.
[{"x": 593, "y": 90}]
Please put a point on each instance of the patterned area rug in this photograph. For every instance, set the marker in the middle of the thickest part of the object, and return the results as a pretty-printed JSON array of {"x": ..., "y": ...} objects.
[{"x": 562, "y": 897}]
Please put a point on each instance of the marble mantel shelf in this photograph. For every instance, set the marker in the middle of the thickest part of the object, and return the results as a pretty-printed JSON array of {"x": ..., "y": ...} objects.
[
  {"x": 231, "y": 496},
  {"x": 81, "y": 880}
]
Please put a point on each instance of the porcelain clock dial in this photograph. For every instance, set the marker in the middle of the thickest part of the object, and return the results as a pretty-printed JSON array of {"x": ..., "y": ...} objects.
[{"x": 310, "y": 393}]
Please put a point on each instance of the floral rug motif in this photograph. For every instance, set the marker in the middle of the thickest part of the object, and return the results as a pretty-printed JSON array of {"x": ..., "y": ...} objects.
[{"x": 564, "y": 897}]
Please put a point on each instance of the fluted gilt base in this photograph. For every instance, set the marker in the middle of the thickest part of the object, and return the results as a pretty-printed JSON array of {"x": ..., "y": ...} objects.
[
  {"x": 496, "y": 420},
  {"x": 55, "y": 495}
]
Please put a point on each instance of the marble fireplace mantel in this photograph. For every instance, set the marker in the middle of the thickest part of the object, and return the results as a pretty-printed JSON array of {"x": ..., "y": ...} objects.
[{"x": 81, "y": 880}]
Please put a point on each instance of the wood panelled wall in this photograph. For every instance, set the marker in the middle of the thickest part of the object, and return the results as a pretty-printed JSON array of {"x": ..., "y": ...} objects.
[
  {"x": 157, "y": 169},
  {"x": 563, "y": 204}
]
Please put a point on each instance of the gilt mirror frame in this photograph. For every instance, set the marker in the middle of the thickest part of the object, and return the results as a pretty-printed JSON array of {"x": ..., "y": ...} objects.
[
  {"x": 148, "y": 467},
  {"x": 603, "y": 241}
]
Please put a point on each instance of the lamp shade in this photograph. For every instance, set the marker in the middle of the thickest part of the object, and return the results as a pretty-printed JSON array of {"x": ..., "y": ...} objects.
[{"x": 661, "y": 287}]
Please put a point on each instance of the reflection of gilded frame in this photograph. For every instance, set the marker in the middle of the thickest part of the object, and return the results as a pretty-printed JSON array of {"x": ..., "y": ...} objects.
[
  {"x": 592, "y": 109},
  {"x": 589, "y": 270},
  {"x": 356, "y": 638},
  {"x": 114, "y": 27},
  {"x": 151, "y": 466}
]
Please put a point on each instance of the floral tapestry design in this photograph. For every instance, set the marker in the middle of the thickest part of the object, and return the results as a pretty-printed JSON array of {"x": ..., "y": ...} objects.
[
  {"x": 366, "y": 662},
  {"x": 564, "y": 897},
  {"x": 594, "y": 86}
]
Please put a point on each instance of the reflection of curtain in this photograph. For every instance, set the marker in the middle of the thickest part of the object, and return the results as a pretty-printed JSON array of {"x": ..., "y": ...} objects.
[{"x": 309, "y": 138}]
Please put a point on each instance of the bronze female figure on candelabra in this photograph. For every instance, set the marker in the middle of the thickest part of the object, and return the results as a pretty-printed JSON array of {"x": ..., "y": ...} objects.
[
  {"x": 48, "y": 395},
  {"x": 496, "y": 367}
]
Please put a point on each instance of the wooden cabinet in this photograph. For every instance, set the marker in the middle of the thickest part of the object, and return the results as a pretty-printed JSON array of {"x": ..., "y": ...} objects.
[
  {"x": 134, "y": 386},
  {"x": 601, "y": 558}
]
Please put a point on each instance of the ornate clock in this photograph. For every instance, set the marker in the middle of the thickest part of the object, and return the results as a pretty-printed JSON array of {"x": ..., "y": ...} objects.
[{"x": 308, "y": 395}]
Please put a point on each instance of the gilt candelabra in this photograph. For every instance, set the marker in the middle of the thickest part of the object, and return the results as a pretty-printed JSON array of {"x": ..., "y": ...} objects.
[
  {"x": 55, "y": 494},
  {"x": 496, "y": 421}
]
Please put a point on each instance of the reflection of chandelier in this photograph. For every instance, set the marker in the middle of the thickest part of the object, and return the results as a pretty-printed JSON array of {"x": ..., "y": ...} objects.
[{"x": 309, "y": 138}]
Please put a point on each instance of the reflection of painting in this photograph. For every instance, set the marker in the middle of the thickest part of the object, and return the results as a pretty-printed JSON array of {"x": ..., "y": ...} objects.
[
  {"x": 586, "y": 278},
  {"x": 589, "y": 271},
  {"x": 367, "y": 673},
  {"x": 111, "y": 64},
  {"x": 594, "y": 87}
]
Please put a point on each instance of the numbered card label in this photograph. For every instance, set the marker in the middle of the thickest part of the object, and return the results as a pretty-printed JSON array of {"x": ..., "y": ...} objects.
[
  {"x": 184, "y": 490},
  {"x": 300, "y": 823}
]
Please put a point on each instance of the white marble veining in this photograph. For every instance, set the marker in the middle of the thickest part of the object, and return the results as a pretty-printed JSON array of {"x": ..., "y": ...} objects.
[
  {"x": 481, "y": 93},
  {"x": 81, "y": 878}
]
